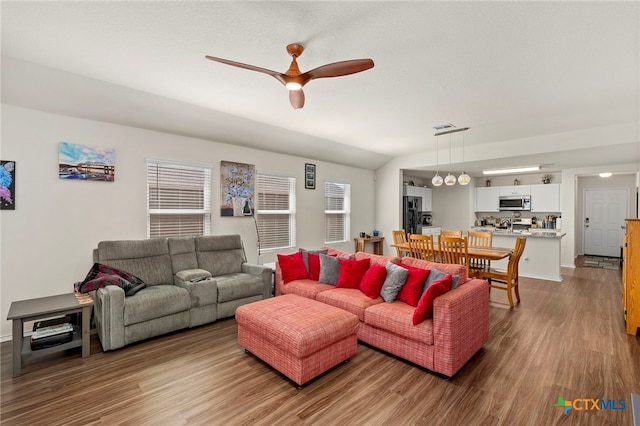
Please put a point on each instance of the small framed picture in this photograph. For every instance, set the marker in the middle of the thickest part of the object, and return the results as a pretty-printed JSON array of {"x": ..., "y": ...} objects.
[{"x": 309, "y": 176}]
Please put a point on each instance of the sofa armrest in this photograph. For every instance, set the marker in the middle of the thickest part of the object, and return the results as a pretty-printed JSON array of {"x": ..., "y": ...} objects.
[
  {"x": 460, "y": 324},
  {"x": 265, "y": 273},
  {"x": 278, "y": 281},
  {"x": 108, "y": 312}
]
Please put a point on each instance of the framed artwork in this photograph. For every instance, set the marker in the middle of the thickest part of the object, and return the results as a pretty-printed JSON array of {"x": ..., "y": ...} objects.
[
  {"x": 237, "y": 188},
  {"x": 309, "y": 176},
  {"x": 7, "y": 185},
  {"x": 80, "y": 162}
]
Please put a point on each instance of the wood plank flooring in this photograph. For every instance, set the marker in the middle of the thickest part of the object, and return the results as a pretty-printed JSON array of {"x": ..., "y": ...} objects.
[{"x": 565, "y": 339}]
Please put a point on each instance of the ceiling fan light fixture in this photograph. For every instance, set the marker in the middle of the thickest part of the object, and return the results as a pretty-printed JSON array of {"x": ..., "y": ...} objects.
[{"x": 292, "y": 85}]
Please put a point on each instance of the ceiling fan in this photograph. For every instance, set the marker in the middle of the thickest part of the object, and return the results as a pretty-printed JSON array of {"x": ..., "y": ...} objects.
[{"x": 294, "y": 80}]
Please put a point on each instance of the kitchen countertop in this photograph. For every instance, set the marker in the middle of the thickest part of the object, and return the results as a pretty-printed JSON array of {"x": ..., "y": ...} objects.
[{"x": 533, "y": 232}]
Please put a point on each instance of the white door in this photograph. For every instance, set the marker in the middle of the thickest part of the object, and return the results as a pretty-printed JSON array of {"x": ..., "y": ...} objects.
[{"x": 604, "y": 214}]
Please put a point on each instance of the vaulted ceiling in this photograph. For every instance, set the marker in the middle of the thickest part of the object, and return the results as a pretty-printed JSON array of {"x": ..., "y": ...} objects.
[{"x": 511, "y": 71}]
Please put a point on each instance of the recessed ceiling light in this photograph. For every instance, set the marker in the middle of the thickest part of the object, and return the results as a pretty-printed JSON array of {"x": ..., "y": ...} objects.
[
  {"x": 512, "y": 170},
  {"x": 605, "y": 174}
]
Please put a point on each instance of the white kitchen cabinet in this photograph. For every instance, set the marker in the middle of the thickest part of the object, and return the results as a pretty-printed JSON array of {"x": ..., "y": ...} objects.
[
  {"x": 515, "y": 190},
  {"x": 434, "y": 231},
  {"x": 488, "y": 199},
  {"x": 409, "y": 190},
  {"x": 545, "y": 198},
  {"x": 426, "y": 194},
  {"x": 422, "y": 192}
]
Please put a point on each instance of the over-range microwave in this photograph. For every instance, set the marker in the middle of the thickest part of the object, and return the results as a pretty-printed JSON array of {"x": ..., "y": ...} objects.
[{"x": 515, "y": 202}]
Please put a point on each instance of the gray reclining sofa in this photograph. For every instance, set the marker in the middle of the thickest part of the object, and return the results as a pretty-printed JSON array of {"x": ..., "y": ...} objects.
[{"x": 189, "y": 281}]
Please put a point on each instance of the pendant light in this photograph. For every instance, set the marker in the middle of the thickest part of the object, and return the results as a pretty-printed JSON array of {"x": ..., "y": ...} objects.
[
  {"x": 437, "y": 179},
  {"x": 464, "y": 178},
  {"x": 450, "y": 179}
]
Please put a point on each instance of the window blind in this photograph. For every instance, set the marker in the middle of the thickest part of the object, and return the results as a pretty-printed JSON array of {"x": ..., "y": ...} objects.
[
  {"x": 276, "y": 213},
  {"x": 178, "y": 199},
  {"x": 337, "y": 205}
]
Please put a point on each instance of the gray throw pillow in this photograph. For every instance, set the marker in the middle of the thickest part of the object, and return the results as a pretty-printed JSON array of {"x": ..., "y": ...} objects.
[
  {"x": 305, "y": 256},
  {"x": 329, "y": 269},
  {"x": 436, "y": 275},
  {"x": 396, "y": 277}
]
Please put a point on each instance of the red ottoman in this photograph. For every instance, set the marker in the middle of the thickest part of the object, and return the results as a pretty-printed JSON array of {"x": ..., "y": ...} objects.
[{"x": 299, "y": 337}]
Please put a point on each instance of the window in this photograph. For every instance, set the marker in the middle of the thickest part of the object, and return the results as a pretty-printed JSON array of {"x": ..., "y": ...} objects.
[
  {"x": 178, "y": 199},
  {"x": 337, "y": 207},
  {"x": 276, "y": 213}
]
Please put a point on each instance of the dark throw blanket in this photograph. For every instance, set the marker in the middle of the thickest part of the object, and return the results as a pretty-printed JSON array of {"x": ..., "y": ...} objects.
[{"x": 101, "y": 275}]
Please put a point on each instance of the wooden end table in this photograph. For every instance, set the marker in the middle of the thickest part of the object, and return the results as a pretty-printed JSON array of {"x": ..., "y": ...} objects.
[{"x": 46, "y": 307}]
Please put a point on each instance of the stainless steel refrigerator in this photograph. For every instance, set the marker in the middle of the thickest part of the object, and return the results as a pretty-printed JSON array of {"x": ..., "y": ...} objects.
[{"x": 411, "y": 214}]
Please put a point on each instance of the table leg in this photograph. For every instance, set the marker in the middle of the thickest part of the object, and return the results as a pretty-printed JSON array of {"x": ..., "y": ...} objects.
[
  {"x": 86, "y": 330},
  {"x": 16, "y": 346}
]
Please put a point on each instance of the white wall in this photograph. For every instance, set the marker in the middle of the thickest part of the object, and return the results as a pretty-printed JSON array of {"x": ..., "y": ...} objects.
[{"x": 46, "y": 243}]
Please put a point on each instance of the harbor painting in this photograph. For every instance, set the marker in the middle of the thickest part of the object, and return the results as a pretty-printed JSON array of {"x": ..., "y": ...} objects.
[{"x": 85, "y": 162}]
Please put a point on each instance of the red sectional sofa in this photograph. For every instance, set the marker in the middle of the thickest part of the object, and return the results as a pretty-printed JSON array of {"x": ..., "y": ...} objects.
[{"x": 443, "y": 344}]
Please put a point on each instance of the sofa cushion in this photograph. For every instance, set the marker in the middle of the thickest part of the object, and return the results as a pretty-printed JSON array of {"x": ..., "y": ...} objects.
[
  {"x": 329, "y": 269},
  {"x": 396, "y": 277},
  {"x": 372, "y": 281},
  {"x": 412, "y": 289},
  {"x": 436, "y": 275},
  {"x": 305, "y": 257},
  {"x": 220, "y": 254},
  {"x": 314, "y": 266},
  {"x": 148, "y": 260},
  {"x": 307, "y": 288},
  {"x": 155, "y": 302},
  {"x": 349, "y": 299},
  {"x": 351, "y": 272},
  {"x": 397, "y": 318},
  {"x": 292, "y": 267},
  {"x": 337, "y": 253},
  {"x": 237, "y": 286},
  {"x": 376, "y": 258},
  {"x": 424, "y": 309},
  {"x": 183, "y": 253},
  {"x": 449, "y": 268}
]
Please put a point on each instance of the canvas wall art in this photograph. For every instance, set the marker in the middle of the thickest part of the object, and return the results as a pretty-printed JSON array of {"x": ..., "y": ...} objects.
[
  {"x": 85, "y": 162},
  {"x": 7, "y": 185},
  {"x": 237, "y": 186}
]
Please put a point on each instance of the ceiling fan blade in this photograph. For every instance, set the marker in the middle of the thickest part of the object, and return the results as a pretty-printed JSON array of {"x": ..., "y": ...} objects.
[
  {"x": 338, "y": 69},
  {"x": 296, "y": 97},
  {"x": 279, "y": 76}
]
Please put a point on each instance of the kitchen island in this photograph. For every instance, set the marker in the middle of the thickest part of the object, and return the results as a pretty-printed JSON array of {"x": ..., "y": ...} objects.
[{"x": 541, "y": 257}]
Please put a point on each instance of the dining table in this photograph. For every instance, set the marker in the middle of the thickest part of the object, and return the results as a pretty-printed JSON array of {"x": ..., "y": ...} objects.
[{"x": 486, "y": 253}]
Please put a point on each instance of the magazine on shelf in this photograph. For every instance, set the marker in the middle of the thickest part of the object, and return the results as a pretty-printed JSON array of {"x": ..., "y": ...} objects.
[{"x": 51, "y": 330}]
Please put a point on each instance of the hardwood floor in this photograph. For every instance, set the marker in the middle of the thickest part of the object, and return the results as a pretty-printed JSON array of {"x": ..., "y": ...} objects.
[{"x": 564, "y": 340}]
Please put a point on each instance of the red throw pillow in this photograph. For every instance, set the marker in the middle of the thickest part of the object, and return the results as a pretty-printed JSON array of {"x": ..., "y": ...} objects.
[
  {"x": 351, "y": 272},
  {"x": 372, "y": 281},
  {"x": 314, "y": 266},
  {"x": 412, "y": 289},
  {"x": 424, "y": 309},
  {"x": 292, "y": 267}
]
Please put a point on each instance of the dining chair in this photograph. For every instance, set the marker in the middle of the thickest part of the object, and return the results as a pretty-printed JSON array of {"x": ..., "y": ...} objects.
[
  {"x": 421, "y": 247},
  {"x": 454, "y": 250},
  {"x": 480, "y": 239},
  {"x": 450, "y": 233},
  {"x": 400, "y": 237},
  {"x": 507, "y": 280}
]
